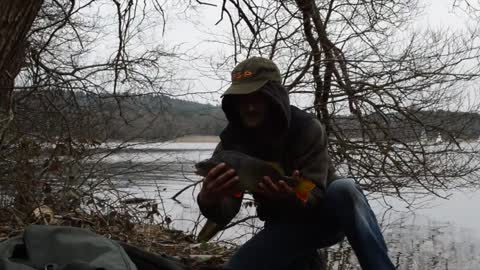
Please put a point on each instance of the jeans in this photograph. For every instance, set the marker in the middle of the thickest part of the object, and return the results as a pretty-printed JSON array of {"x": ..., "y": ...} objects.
[{"x": 345, "y": 210}]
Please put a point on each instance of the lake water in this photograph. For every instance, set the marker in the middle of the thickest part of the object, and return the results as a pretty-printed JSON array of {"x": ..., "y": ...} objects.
[
  {"x": 444, "y": 234},
  {"x": 160, "y": 170}
]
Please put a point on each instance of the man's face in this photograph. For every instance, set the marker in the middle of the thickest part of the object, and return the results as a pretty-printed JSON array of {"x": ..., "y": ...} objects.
[{"x": 253, "y": 109}]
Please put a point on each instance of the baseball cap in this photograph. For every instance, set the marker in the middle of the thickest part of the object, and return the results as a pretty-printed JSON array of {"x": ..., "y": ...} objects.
[{"x": 251, "y": 74}]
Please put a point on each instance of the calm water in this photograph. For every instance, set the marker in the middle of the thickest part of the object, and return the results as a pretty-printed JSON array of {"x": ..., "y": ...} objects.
[{"x": 158, "y": 171}]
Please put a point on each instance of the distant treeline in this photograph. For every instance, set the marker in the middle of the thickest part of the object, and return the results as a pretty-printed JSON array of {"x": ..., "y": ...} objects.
[
  {"x": 162, "y": 118},
  {"x": 159, "y": 117},
  {"x": 153, "y": 117},
  {"x": 412, "y": 126}
]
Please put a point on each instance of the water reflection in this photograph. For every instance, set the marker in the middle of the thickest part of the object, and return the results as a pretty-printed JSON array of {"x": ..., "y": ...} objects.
[{"x": 159, "y": 171}]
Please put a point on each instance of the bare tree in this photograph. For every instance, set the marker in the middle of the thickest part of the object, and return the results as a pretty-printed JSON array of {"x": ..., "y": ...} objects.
[
  {"x": 392, "y": 96},
  {"x": 385, "y": 91},
  {"x": 16, "y": 19},
  {"x": 69, "y": 74}
]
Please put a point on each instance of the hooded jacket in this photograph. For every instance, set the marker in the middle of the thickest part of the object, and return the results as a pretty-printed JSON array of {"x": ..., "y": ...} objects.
[{"x": 295, "y": 141}]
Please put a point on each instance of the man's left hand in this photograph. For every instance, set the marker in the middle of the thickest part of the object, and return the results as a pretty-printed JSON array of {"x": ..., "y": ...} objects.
[{"x": 278, "y": 190}]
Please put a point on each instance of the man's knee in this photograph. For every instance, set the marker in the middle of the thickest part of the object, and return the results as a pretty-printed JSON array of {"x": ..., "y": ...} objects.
[{"x": 344, "y": 189}]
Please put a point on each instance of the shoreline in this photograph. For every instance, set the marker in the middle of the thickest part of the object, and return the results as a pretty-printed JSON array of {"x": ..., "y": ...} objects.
[{"x": 197, "y": 139}]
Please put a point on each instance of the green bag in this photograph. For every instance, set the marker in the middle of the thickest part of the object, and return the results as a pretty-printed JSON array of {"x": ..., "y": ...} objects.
[{"x": 62, "y": 248}]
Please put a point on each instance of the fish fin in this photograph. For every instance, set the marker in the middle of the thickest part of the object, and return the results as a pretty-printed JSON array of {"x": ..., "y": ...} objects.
[
  {"x": 291, "y": 181},
  {"x": 277, "y": 167},
  {"x": 303, "y": 187},
  {"x": 208, "y": 231},
  {"x": 303, "y": 196}
]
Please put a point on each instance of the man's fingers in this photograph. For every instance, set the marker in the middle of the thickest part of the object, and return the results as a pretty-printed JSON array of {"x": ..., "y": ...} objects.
[
  {"x": 213, "y": 173},
  {"x": 228, "y": 185},
  {"x": 263, "y": 190},
  {"x": 226, "y": 175},
  {"x": 216, "y": 184},
  {"x": 270, "y": 185},
  {"x": 285, "y": 187},
  {"x": 214, "y": 177},
  {"x": 261, "y": 187},
  {"x": 267, "y": 188}
]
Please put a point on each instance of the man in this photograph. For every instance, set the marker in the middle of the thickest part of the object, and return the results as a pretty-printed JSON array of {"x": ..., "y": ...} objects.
[{"x": 262, "y": 123}]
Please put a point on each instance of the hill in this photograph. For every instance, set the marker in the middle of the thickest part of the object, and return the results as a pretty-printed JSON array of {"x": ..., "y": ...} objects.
[
  {"x": 157, "y": 117},
  {"x": 105, "y": 117}
]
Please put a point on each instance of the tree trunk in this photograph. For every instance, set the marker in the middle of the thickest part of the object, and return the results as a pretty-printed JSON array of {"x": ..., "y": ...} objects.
[{"x": 16, "y": 18}]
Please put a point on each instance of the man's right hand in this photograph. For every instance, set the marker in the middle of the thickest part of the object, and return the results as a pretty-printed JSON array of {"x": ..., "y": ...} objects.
[{"x": 219, "y": 183}]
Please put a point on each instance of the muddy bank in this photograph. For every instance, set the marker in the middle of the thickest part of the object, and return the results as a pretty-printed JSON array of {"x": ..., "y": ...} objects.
[{"x": 158, "y": 239}]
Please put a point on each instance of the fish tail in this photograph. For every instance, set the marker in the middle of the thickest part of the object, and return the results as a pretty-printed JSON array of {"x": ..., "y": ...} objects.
[
  {"x": 302, "y": 188},
  {"x": 209, "y": 230},
  {"x": 303, "y": 196}
]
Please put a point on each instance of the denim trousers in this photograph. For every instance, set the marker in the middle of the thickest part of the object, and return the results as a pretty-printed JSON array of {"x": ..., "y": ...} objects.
[{"x": 345, "y": 212}]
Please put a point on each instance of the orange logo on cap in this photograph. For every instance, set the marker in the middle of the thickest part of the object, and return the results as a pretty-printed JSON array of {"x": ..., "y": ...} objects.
[{"x": 239, "y": 75}]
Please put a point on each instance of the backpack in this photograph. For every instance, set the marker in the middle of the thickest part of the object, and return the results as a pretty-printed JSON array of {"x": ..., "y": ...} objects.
[{"x": 43, "y": 247}]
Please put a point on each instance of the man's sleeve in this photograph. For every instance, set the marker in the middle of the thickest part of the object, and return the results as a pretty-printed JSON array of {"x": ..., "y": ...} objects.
[
  {"x": 312, "y": 159},
  {"x": 223, "y": 212}
]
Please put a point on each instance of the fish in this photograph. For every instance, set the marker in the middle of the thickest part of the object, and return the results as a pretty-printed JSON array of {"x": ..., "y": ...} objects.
[
  {"x": 208, "y": 231},
  {"x": 250, "y": 171}
]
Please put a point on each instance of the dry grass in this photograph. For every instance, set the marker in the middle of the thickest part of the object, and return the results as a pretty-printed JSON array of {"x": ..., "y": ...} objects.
[{"x": 154, "y": 238}]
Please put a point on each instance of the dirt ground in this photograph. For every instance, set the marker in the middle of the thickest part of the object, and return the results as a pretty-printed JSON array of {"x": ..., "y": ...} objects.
[{"x": 153, "y": 238}]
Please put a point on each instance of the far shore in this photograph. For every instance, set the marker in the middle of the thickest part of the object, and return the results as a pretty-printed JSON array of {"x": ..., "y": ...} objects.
[{"x": 197, "y": 139}]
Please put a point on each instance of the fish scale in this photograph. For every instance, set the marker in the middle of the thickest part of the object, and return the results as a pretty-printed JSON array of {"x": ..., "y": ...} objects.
[{"x": 250, "y": 170}]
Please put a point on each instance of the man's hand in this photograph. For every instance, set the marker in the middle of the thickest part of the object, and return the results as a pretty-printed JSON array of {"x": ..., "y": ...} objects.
[
  {"x": 279, "y": 190},
  {"x": 219, "y": 183}
]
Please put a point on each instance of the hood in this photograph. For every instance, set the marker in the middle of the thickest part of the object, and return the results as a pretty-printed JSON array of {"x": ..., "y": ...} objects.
[
  {"x": 278, "y": 96},
  {"x": 266, "y": 145}
]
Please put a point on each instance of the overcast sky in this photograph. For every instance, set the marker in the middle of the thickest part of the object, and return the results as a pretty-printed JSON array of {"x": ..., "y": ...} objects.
[
  {"x": 188, "y": 30},
  {"x": 191, "y": 34}
]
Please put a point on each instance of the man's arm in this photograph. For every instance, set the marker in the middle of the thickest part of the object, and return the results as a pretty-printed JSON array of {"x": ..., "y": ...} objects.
[
  {"x": 312, "y": 159},
  {"x": 220, "y": 210}
]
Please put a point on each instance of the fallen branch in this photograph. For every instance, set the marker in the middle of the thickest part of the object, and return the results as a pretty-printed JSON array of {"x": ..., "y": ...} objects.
[{"x": 183, "y": 190}]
